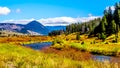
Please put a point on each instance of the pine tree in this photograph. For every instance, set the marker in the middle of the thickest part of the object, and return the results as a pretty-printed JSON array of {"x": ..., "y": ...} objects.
[
  {"x": 86, "y": 28},
  {"x": 117, "y": 17},
  {"x": 90, "y": 28},
  {"x": 109, "y": 21},
  {"x": 103, "y": 36},
  {"x": 77, "y": 36},
  {"x": 102, "y": 25},
  {"x": 113, "y": 27}
]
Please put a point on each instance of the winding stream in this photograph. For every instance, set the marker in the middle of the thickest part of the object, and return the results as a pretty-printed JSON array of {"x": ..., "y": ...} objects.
[
  {"x": 101, "y": 58},
  {"x": 38, "y": 46}
]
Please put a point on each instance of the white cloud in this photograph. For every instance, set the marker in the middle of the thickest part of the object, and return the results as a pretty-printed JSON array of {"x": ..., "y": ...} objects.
[
  {"x": 4, "y": 10},
  {"x": 57, "y": 21},
  {"x": 65, "y": 20},
  {"x": 112, "y": 8},
  {"x": 23, "y": 21},
  {"x": 18, "y": 10}
]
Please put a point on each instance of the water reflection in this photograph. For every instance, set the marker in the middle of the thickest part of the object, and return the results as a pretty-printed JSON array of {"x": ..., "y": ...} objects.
[
  {"x": 103, "y": 58},
  {"x": 38, "y": 46}
]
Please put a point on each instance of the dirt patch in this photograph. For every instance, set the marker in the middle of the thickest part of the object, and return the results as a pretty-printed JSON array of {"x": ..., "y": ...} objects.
[{"x": 70, "y": 53}]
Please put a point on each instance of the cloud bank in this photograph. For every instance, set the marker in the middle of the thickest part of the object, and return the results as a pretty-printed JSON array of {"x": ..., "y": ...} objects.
[
  {"x": 57, "y": 21},
  {"x": 4, "y": 10},
  {"x": 23, "y": 21},
  {"x": 65, "y": 20}
]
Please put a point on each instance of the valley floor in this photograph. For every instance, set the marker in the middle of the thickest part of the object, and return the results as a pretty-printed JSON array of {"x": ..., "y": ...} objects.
[{"x": 66, "y": 52}]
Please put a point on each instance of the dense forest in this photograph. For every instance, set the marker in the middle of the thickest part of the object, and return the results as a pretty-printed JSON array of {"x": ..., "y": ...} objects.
[
  {"x": 109, "y": 24},
  {"x": 83, "y": 28}
]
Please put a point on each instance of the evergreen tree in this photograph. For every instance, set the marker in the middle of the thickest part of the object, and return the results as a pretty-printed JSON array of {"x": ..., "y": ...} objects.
[
  {"x": 117, "y": 17},
  {"x": 117, "y": 13},
  {"x": 113, "y": 24},
  {"x": 77, "y": 36},
  {"x": 105, "y": 21},
  {"x": 90, "y": 28},
  {"x": 102, "y": 33},
  {"x": 109, "y": 18},
  {"x": 102, "y": 25},
  {"x": 86, "y": 28},
  {"x": 103, "y": 36}
]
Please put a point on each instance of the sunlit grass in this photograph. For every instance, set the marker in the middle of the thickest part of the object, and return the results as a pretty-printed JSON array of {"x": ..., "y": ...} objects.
[
  {"x": 12, "y": 56},
  {"x": 105, "y": 49},
  {"x": 92, "y": 45},
  {"x": 21, "y": 57}
]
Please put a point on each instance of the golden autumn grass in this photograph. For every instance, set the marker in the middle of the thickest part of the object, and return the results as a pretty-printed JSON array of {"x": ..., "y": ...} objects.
[
  {"x": 24, "y": 39},
  {"x": 92, "y": 45},
  {"x": 12, "y": 55}
]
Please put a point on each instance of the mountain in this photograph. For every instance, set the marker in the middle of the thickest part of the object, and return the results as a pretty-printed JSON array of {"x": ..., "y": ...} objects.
[
  {"x": 10, "y": 27},
  {"x": 37, "y": 27},
  {"x": 32, "y": 28},
  {"x": 51, "y": 28}
]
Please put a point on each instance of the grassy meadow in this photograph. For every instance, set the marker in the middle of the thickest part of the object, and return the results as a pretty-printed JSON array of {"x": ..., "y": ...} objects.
[
  {"x": 92, "y": 45},
  {"x": 59, "y": 34},
  {"x": 12, "y": 56},
  {"x": 66, "y": 52}
]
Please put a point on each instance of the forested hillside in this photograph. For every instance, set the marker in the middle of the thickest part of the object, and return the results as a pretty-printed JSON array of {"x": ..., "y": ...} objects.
[
  {"x": 102, "y": 27},
  {"x": 109, "y": 24}
]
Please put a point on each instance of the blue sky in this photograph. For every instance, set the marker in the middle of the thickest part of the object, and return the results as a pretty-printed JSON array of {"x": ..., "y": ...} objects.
[{"x": 37, "y": 9}]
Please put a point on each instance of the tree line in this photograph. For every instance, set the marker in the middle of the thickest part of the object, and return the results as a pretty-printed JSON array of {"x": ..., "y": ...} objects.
[
  {"x": 109, "y": 23},
  {"x": 83, "y": 28},
  {"x": 100, "y": 27}
]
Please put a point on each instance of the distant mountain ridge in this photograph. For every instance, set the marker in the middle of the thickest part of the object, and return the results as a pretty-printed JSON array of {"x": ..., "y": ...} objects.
[
  {"x": 51, "y": 28},
  {"x": 37, "y": 27},
  {"x": 11, "y": 26},
  {"x": 33, "y": 28}
]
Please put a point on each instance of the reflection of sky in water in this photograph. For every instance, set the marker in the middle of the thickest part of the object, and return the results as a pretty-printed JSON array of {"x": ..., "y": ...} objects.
[
  {"x": 38, "y": 46},
  {"x": 101, "y": 58}
]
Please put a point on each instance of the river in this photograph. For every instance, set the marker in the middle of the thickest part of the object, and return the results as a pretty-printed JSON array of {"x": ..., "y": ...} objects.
[
  {"x": 101, "y": 58},
  {"x": 38, "y": 46}
]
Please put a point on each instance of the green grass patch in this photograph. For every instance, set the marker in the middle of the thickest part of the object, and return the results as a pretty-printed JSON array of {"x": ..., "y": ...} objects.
[{"x": 104, "y": 49}]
